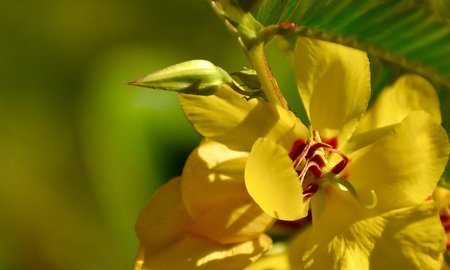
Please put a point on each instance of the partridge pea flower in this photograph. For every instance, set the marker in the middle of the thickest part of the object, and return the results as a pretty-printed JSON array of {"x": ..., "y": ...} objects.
[{"x": 366, "y": 186}]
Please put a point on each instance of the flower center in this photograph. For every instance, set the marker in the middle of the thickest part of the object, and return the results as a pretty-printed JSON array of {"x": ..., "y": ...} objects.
[{"x": 311, "y": 156}]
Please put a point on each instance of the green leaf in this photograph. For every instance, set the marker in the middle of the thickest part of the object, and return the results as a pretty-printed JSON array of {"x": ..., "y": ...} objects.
[
  {"x": 276, "y": 11},
  {"x": 445, "y": 111},
  {"x": 414, "y": 34}
]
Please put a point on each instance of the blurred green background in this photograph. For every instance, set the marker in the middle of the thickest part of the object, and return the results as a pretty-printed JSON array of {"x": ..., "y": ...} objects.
[{"x": 80, "y": 152}]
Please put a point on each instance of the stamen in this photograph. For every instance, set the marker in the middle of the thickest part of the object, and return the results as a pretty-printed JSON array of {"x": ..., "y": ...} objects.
[
  {"x": 303, "y": 154},
  {"x": 311, "y": 156},
  {"x": 332, "y": 141},
  {"x": 320, "y": 159},
  {"x": 310, "y": 190},
  {"x": 341, "y": 165},
  {"x": 297, "y": 148},
  {"x": 314, "y": 168},
  {"x": 310, "y": 165},
  {"x": 316, "y": 135},
  {"x": 445, "y": 219},
  {"x": 321, "y": 144}
]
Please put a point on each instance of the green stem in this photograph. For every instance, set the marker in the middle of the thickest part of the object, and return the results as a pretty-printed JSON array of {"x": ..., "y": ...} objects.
[
  {"x": 268, "y": 83},
  {"x": 223, "y": 16},
  {"x": 255, "y": 53}
]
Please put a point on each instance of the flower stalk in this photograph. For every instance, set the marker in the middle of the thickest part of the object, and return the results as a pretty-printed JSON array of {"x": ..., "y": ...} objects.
[
  {"x": 254, "y": 48},
  {"x": 268, "y": 82}
]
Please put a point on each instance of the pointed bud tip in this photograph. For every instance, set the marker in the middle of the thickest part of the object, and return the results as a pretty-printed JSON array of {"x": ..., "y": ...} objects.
[{"x": 135, "y": 82}]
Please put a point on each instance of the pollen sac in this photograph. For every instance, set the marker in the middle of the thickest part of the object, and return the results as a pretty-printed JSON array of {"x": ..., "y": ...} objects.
[{"x": 197, "y": 77}]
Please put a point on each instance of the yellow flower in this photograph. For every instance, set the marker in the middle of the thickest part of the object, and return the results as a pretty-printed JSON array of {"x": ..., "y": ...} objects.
[{"x": 398, "y": 152}]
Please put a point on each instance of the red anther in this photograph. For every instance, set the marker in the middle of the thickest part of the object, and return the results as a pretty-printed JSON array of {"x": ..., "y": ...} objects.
[
  {"x": 445, "y": 218},
  {"x": 303, "y": 154},
  {"x": 339, "y": 167},
  {"x": 446, "y": 227},
  {"x": 315, "y": 169},
  {"x": 310, "y": 166},
  {"x": 297, "y": 149},
  {"x": 319, "y": 159},
  {"x": 332, "y": 141},
  {"x": 319, "y": 145},
  {"x": 310, "y": 190},
  {"x": 290, "y": 25}
]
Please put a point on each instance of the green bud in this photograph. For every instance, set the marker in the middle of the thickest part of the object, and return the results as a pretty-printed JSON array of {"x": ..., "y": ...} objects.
[
  {"x": 249, "y": 78},
  {"x": 198, "y": 77}
]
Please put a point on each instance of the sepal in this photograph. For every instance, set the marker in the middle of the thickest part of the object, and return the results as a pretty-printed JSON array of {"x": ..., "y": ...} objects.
[{"x": 249, "y": 78}]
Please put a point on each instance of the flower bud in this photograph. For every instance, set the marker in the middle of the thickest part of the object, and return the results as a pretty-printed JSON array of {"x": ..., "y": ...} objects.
[{"x": 198, "y": 77}]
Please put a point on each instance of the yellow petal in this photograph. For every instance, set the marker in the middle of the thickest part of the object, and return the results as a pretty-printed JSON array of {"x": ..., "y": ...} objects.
[
  {"x": 273, "y": 183},
  {"x": 297, "y": 248},
  {"x": 203, "y": 254},
  {"x": 357, "y": 142},
  {"x": 164, "y": 219},
  {"x": 361, "y": 140},
  {"x": 341, "y": 210},
  {"x": 407, "y": 238},
  {"x": 334, "y": 84},
  {"x": 212, "y": 174},
  {"x": 165, "y": 243},
  {"x": 237, "y": 219},
  {"x": 404, "y": 166},
  {"x": 409, "y": 93},
  {"x": 276, "y": 259},
  {"x": 228, "y": 118}
]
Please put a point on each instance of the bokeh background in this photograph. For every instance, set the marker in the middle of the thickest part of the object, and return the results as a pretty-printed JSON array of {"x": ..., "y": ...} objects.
[{"x": 80, "y": 152}]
